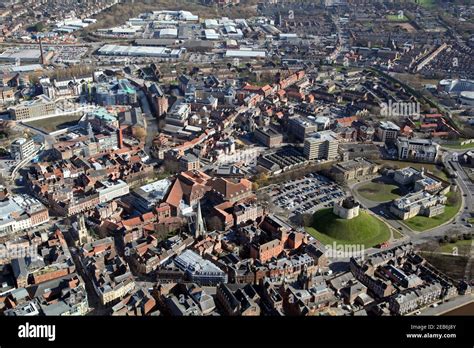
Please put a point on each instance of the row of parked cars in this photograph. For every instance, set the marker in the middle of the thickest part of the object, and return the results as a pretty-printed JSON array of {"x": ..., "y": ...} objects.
[{"x": 307, "y": 194}]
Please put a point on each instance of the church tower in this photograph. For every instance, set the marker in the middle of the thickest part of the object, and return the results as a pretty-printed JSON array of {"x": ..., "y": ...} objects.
[
  {"x": 90, "y": 132},
  {"x": 82, "y": 233}
]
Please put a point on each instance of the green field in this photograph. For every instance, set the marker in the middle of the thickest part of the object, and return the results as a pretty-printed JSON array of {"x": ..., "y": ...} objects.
[
  {"x": 423, "y": 223},
  {"x": 425, "y": 3},
  {"x": 458, "y": 146},
  {"x": 397, "y": 18},
  {"x": 378, "y": 191},
  {"x": 364, "y": 230},
  {"x": 52, "y": 124},
  {"x": 436, "y": 170},
  {"x": 463, "y": 247}
]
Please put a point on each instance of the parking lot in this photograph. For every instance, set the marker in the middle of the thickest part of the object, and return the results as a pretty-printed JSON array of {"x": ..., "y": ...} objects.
[{"x": 306, "y": 195}]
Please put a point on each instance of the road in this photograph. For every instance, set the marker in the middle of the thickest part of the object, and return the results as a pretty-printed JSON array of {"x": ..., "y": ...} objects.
[
  {"x": 463, "y": 182},
  {"x": 448, "y": 306}
]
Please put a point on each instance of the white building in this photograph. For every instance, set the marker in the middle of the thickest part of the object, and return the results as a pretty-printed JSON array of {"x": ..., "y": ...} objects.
[
  {"x": 21, "y": 212},
  {"x": 147, "y": 196},
  {"x": 420, "y": 150},
  {"x": 111, "y": 190},
  {"x": 22, "y": 148}
]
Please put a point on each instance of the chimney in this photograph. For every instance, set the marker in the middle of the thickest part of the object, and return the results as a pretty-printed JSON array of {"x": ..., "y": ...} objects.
[
  {"x": 120, "y": 136},
  {"x": 41, "y": 50}
]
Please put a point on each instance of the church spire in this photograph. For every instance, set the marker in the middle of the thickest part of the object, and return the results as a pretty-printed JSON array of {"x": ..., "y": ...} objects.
[{"x": 199, "y": 229}]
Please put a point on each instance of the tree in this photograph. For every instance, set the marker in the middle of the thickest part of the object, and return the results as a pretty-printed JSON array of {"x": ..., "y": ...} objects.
[
  {"x": 262, "y": 179},
  {"x": 306, "y": 219},
  {"x": 140, "y": 133},
  {"x": 214, "y": 224},
  {"x": 38, "y": 27},
  {"x": 171, "y": 166},
  {"x": 452, "y": 200}
]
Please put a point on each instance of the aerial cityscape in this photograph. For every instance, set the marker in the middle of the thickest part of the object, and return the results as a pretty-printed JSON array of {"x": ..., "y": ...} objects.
[{"x": 236, "y": 158}]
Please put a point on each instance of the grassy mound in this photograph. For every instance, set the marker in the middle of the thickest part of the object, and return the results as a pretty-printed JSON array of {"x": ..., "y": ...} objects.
[{"x": 364, "y": 229}]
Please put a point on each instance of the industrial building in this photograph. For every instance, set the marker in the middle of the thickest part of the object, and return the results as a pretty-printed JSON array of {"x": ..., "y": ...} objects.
[
  {"x": 141, "y": 51},
  {"x": 15, "y": 55},
  {"x": 269, "y": 137},
  {"x": 244, "y": 53}
]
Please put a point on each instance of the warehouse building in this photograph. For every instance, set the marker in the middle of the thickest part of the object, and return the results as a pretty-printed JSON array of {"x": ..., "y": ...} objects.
[
  {"x": 141, "y": 51},
  {"x": 244, "y": 53},
  {"x": 25, "y": 56}
]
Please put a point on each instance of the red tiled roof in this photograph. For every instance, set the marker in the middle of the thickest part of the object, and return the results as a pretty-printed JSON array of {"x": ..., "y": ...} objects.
[
  {"x": 132, "y": 222},
  {"x": 429, "y": 125},
  {"x": 346, "y": 121},
  {"x": 175, "y": 195}
]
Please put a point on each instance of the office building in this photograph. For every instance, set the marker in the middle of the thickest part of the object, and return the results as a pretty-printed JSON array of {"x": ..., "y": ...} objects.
[
  {"x": 321, "y": 145},
  {"x": 22, "y": 148},
  {"x": 387, "y": 131},
  {"x": 35, "y": 108},
  {"x": 418, "y": 150}
]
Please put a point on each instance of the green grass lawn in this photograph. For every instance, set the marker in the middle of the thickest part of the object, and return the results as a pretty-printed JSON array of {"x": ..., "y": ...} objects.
[
  {"x": 379, "y": 192},
  {"x": 423, "y": 223},
  {"x": 425, "y": 3},
  {"x": 52, "y": 124},
  {"x": 364, "y": 230},
  {"x": 458, "y": 146},
  {"x": 463, "y": 247},
  {"x": 436, "y": 170},
  {"x": 396, "y": 18},
  {"x": 397, "y": 235}
]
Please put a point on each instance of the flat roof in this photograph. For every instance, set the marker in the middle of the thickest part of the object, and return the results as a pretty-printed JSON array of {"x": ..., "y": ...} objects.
[
  {"x": 12, "y": 54},
  {"x": 245, "y": 53},
  {"x": 139, "y": 51}
]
